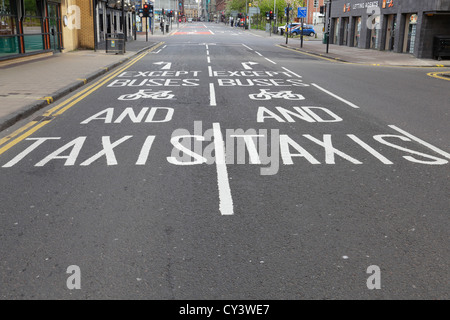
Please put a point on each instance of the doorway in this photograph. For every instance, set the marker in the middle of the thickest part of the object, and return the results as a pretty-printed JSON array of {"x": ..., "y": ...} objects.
[
  {"x": 409, "y": 40},
  {"x": 390, "y": 32},
  {"x": 54, "y": 26},
  {"x": 345, "y": 22}
]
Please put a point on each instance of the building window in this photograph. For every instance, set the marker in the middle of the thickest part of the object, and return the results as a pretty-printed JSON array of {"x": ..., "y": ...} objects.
[
  {"x": 32, "y": 26},
  {"x": 9, "y": 43}
]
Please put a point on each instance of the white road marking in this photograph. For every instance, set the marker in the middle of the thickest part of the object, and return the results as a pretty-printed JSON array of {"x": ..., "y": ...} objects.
[
  {"x": 247, "y": 47},
  {"x": 212, "y": 95},
  {"x": 208, "y": 59},
  {"x": 424, "y": 143},
  {"x": 247, "y": 65},
  {"x": 167, "y": 65},
  {"x": 210, "y": 73},
  {"x": 371, "y": 150},
  {"x": 23, "y": 154},
  {"x": 335, "y": 96},
  {"x": 223, "y": 183},
  {"x": 145, "y": 151},
  {"x": 292, "y": 72},
  {"x": 259, "y": 54},
  {"x": 270, "y": 61}
]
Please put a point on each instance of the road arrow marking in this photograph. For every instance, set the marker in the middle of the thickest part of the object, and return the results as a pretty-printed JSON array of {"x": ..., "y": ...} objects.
[
  {"x": 167, "y": 65},
  {"x": 247, "y": 65}
]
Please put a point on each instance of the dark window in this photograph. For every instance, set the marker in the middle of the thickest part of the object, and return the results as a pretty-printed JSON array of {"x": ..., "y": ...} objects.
[
  {"x": 9, "y": 42},
  {"x": 32, "y": 26}
]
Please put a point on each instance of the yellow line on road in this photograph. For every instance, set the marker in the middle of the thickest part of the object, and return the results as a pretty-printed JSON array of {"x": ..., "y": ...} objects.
[
  {"x": 66, "y": 104},
  {"x": 17, "y": 132},
  {"x": 24, "y": 136},
  {"x": 437, "y": 75}
]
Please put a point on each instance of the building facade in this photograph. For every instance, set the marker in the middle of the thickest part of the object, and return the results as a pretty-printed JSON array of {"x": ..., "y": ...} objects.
[
  {"x": 314, "y": 16},
  {"x": 402, "y": 26},
  {"x": 39, "y": 27}
]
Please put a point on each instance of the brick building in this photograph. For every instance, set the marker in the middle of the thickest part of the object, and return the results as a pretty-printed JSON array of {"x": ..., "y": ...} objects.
[{"x": 403, "y": 26}]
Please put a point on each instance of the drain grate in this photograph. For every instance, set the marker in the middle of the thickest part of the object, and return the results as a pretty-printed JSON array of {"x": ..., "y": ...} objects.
[{"x": 43, "y": 118}]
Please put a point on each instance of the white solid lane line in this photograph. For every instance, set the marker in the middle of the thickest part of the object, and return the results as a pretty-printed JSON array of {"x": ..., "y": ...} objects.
[
  {"x": 223, "y": 183},
  {"x": 335, "y": 96}
]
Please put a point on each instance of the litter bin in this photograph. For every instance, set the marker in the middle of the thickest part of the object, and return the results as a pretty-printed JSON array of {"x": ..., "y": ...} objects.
[
  {"x": 325, "y": 37},
  {"x": 115, "y": 43},
  {"x": 441, "y": 47}
]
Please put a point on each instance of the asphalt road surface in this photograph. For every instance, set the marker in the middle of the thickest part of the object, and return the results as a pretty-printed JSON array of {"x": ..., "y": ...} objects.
[{"x": 219, "y": 165}]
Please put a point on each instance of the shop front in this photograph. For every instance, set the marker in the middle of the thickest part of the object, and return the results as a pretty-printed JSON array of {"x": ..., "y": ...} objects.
[
  {"x": 29, "y": 26},
  {"x": 402, "y": 26}
]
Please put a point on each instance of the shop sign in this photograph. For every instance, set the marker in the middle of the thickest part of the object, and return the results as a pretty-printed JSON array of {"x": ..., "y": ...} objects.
[
  {"x": 365, "y": 5},
  {"x": 413, "y": 19},
  {"x": 347, "y": 7},
  {"x": 388, "y": 4}
]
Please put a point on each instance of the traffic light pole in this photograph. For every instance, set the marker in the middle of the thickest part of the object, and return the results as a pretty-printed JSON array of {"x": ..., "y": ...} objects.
[
  {"x": 287, "y": 23},
  {"x": 146, "y": 31},
  {"x": 329, "y": 25},
  {"x": 301, "y": 33}
]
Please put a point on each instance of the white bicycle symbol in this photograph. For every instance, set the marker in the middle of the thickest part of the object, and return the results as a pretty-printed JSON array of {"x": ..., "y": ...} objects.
[
  {"x": 147, "y": 94},
  {"x": 266, "y": 95}
]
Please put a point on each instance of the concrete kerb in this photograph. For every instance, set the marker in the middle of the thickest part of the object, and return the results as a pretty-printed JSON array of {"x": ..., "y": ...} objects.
[
  {"x": 29, "y": 109},
  {"x": 325, "y": 56}
]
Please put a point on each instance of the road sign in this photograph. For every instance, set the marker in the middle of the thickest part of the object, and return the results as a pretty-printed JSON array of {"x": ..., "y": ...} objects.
[{"x": 302, "y": 12}]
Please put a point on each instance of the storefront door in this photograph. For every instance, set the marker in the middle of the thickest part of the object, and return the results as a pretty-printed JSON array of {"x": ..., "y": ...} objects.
[
  {"x": 410, "y": 33},
  {"x": 357, "y": 28},
  {"x": 54, "y": 26},
  {"x": 345, "y": 21},
  {"x": 390, "y": 32}
]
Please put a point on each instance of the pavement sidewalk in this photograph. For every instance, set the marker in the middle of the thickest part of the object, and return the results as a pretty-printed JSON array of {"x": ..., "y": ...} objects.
[
  {"x": 30, "y": 86},
  {"x": 315, "y": 46}
]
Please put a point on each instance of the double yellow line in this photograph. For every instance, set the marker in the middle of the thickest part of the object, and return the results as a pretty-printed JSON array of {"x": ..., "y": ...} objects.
[{"x": 33, "y": 126}]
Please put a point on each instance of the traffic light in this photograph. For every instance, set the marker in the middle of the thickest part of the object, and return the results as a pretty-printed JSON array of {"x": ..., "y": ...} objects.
[
  {"x": 170, "y": 14},
  {"x": 146, "y": 10},
  {"x": 271, "y": 15},
  {"x": 322, "y": 9}
]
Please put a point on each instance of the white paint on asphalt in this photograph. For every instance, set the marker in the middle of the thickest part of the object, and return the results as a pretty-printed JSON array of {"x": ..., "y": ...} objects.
[
  {"x": 210, "y": 73},
  {"x": 371, "y": 150},
  {"x": 145, "y": 151},
  {"x": 270, "y": 61},
  {"x": 225, "y": 198},
  {"x": 335, "y": 96},
  {"x": 167, "y": 65},
  {"x": 23, "y": 154},
  {"x": 298, "y": 76},
  {"x": 108, "y": 151},
  {"x": 247, "y": 47},
  {"x": 422, "y": 142},
  {"x": 247, "y": 65},
  {"x": 212, "y": 95}
]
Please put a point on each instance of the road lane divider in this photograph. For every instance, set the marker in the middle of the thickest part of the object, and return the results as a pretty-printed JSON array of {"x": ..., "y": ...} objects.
[{"x": 335, "y": 96}]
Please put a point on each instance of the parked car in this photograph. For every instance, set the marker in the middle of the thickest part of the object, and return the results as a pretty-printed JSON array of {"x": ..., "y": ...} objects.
[
  {"x": 308, "y": 30},
  {"x": 282, "y": 29},
  {"x": 189, "y": 20}
]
